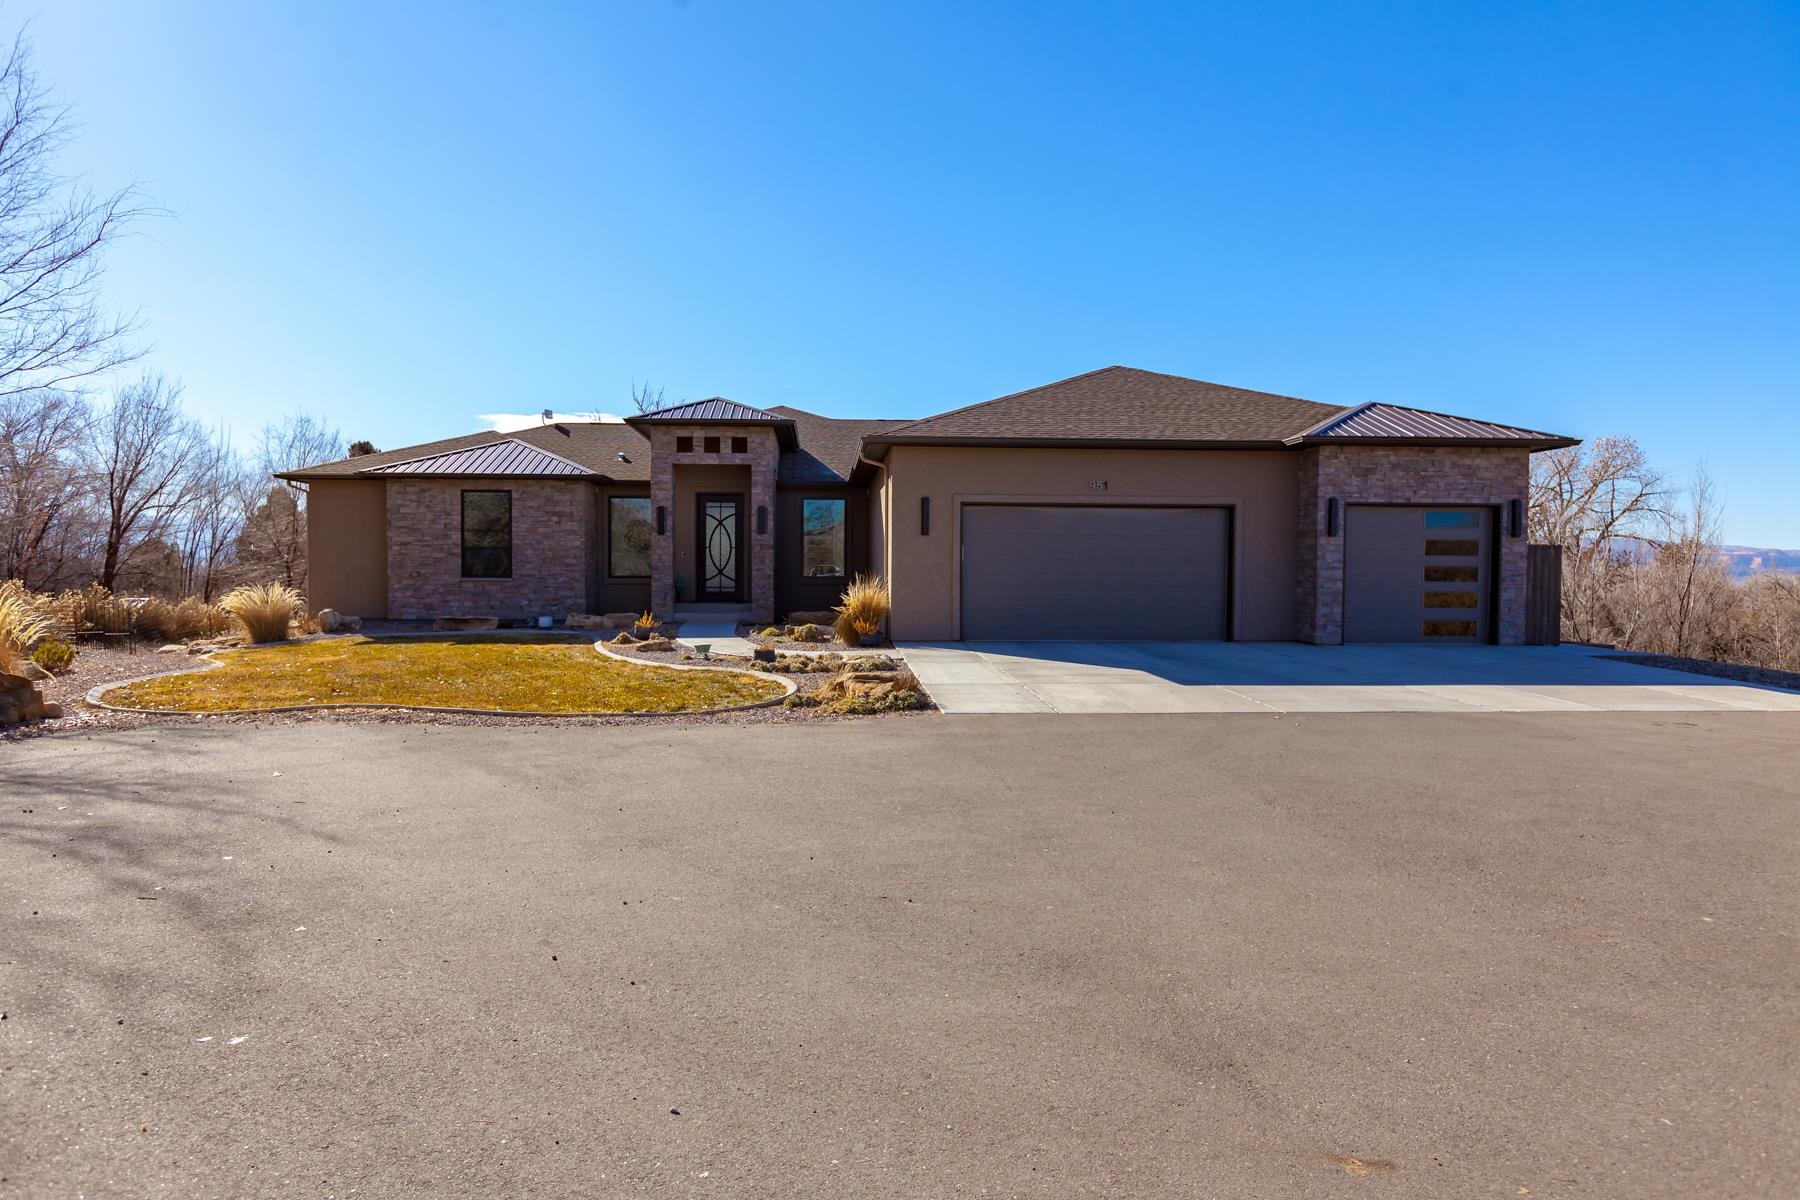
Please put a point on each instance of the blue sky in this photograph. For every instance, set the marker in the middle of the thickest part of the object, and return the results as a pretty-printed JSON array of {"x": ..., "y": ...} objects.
[{"x": 1577, "y": 217}]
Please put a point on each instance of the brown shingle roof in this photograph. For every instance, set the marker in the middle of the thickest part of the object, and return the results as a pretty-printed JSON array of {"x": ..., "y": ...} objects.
[
  {"x": 595, "y": 445},
  {"x": 827, "y": 447},
  {"x": 1123, "y": 404}
]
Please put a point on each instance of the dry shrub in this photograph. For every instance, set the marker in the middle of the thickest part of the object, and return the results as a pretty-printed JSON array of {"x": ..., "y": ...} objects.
[
  {"x": 189, "y": 618},
  {"x": 54, "y": 656},
  {"x": 22, "y": 622},
  {"x": 863, "y": 610},
  {"x": 92, "y": 607},
  {"x": 266, "y": 610}
]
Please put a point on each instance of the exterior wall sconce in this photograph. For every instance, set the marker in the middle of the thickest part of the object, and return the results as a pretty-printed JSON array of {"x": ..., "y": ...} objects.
[
  {"x": 1333, "y": 515},
  {"x": 924, "y": 516},
  {"x": 762, "y": 519},
  {"x": 1515, "y": 517},
  {"x": 662, "y": 520}
]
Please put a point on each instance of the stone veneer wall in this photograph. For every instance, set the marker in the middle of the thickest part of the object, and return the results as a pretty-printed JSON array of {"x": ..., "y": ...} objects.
[
  {"x": 763, "y": 459},
  {"x": 1403, "y": 475},
  {"x": 555, "y": 540}
]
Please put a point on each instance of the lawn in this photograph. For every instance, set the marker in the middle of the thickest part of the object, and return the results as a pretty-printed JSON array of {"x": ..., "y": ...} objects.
[{"x": 537, "y": 674}]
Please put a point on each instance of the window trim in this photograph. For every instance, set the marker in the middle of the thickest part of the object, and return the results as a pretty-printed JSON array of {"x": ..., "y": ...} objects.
[
  {"x": 844, "y": 556},
  {"x": 463, "y": 531},
  {"x": 649, "y": 519}
]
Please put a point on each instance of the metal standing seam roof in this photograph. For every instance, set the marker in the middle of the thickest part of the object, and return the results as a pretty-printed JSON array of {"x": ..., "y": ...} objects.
[
  {"x": 716, "y": 409},
  {"x": 507, "y": 457},
  {"x": 1393, "y": 422}
]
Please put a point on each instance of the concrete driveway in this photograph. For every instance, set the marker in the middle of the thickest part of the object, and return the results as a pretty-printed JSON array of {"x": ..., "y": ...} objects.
[
  {"x": 1226, "y": 677},
  {"x": 1412, "y": 957}
]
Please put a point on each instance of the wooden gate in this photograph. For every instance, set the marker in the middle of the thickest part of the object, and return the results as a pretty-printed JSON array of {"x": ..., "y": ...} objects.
[{"x": 1543, "y": 596}]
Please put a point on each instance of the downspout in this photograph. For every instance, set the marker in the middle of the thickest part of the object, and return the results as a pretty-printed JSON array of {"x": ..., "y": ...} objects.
[{"x": 887, "y": 522}]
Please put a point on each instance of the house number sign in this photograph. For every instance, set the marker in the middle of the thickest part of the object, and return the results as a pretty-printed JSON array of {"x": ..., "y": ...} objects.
[{"x": 1096, "y": 485}]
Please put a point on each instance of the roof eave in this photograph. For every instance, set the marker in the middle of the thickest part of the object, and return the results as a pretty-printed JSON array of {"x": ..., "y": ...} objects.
[
  {"x": 785, "y": 436},
  {"x": 1547, "y": 442},
  {"x": 879, "y": 445}
]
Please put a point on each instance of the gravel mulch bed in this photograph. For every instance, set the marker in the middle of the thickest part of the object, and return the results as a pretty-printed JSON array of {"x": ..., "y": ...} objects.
[
  {"x": 1762, "y": 676},
  {"x": 789, "y": 645},
  {"x": 806, "y": 682},
  {"x": 108, "y": 664}
]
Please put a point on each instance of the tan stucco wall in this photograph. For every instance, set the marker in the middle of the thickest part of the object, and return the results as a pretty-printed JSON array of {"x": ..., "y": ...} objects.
[
  {"x": 1262, "y": 487},
  {"x": 346, "y": 547}
]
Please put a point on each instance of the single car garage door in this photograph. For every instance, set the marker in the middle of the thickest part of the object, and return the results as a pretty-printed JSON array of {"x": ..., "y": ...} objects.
[
  {"x": 1095, "y": 572},
  {"x": 1417, "y": 574}
]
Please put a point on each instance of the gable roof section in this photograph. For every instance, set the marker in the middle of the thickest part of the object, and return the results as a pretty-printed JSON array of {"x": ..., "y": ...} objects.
[
  {"x": 596, "y": 446},
  {"x": 707, "y": 411},
  {"x": 506, "y": 457},
  {"x": 1121, "y": 405},
  {"x": 1383, "y": 424}
]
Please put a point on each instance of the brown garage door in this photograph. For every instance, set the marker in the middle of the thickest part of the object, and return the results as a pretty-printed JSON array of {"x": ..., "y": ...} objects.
[
  {"x": 1417, "y": 574},
  {"x": 1095, "y": 572}
]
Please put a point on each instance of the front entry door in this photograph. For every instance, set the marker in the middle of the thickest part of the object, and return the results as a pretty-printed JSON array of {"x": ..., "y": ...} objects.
[{"x": 720, "y": 552}]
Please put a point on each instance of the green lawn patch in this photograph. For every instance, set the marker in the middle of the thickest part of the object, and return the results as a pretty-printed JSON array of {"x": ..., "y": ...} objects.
[{"x": 536, "y": 674}]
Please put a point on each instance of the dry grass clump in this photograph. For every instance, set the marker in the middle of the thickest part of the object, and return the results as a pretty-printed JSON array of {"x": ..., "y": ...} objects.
[
  {"x": 863, "y": 610},
  {"x": 266, "y": 610},
  {"x": 22, "y": 623},
  {"x": 187, "y": 618}
]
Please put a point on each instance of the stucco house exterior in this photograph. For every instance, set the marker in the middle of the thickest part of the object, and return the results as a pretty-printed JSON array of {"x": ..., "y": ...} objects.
[{"x": 1121, "y": 503}]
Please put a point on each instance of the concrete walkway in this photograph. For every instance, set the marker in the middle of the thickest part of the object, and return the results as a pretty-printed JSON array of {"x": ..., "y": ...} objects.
[
  {"x": 1284, "y": 677},
  {"x": 721, "y": 636}
]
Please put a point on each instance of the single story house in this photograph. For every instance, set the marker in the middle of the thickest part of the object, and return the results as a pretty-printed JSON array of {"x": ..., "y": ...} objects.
[{"x": 1121, "y": 503}]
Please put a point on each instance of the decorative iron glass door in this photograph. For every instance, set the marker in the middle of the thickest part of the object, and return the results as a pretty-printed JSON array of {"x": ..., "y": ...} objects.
[{"x": 720, "y": 532}]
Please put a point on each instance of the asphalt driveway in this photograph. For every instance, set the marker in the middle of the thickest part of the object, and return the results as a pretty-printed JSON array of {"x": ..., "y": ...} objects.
[
  {"x": 1291, "y": 677},
  {"x": 1428, "y": 955}
]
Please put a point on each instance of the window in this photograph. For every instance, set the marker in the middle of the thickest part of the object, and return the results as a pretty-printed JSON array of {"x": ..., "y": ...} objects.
[
  {"x": 1454, "y": 547},
  {"x": 1452, "y": 520},
  {"x": 711, "y": 445},
  {"x": 1452, "y": 600},
  {"x": 822, "y": 538},
  {"x": 1452, "y": 574},
  {"x": 1449, "y": 629},
  {"x": 684, "y": 445},
  {"x": 487, "y": 535},
  {"x": 628, "y": 537},
  {"x": 740, "y": 445}
]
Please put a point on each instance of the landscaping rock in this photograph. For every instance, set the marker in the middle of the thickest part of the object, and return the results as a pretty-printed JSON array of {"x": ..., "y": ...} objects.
[
  {"x": 823, "y": 616},
  {"x": 620, "y": 620},
  {"x": 586, "y": 621},
  {"x": 333, "y": 621},
  {"x": 20, "y": 701},
  {"x": 874, "y": 685},
  {"x": 32, "y": 671},
  {"x": 809, "y": 633},
  {"x": 463, "y": 624},
  {"x": 171, "y": 648},
  {"x": 872, "y": 662}
]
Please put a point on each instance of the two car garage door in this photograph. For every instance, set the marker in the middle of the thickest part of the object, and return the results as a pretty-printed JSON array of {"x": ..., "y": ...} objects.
[
  {"x": 1109, "y": 572},
  {"x": 1115, "y": 572}
]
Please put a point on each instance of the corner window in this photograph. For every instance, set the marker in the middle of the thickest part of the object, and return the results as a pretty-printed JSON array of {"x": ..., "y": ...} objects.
[
  {"x": 487, "y": 535},
  {"x": 822, "y": 538},
  {"x": 628, "y": 537}
]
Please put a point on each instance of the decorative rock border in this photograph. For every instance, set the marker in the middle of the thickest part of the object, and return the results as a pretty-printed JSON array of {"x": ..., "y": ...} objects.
[{"x": 93, "y": 698}]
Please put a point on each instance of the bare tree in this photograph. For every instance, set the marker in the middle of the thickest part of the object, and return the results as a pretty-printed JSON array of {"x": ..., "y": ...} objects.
[
  {"x": 273, "y": 538},
  {"x": 1607, "y": 507},
  {"x": 143, "y": 454},
  {"x": 42, "y": 484},
  {"x": 52, "y": 329},
  {"x": 209, "y": 529},
  {"x": 645, "y": 398}
]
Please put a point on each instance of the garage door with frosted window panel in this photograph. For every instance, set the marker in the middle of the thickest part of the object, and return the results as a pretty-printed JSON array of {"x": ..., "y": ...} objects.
[{"x": 1417, "y": 574}]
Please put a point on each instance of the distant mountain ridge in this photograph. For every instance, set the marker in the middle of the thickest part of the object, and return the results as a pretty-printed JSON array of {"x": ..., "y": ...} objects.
[{"x": 1745, "y": 561}]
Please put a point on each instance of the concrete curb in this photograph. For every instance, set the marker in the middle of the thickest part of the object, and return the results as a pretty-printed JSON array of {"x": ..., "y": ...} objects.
[{"x": 93, "y": 697}]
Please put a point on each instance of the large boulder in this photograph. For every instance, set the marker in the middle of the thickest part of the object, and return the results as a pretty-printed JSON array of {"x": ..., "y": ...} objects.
[
  {"x": 333, "y": 621},
  {"x": 872, "y": 685},
  {"x": 586, "y": 621},
  {"x": 20, "y": 701}
]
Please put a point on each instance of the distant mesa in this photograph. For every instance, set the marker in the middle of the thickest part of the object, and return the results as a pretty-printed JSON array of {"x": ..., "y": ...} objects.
[{"x": 1745, "y": 561}]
